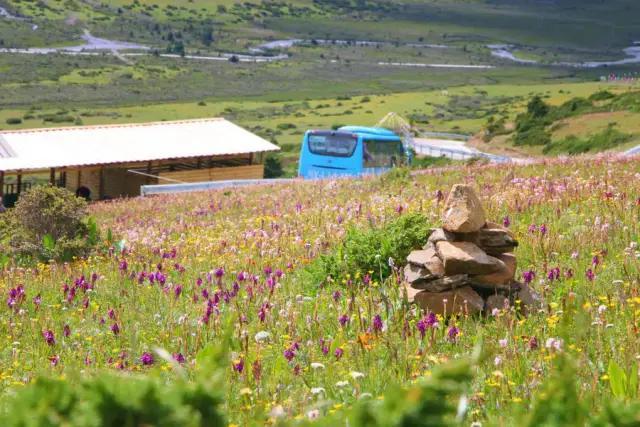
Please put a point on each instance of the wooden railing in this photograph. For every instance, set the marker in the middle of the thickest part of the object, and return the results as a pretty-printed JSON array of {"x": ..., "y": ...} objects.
[{"x": 12, "y": 188}]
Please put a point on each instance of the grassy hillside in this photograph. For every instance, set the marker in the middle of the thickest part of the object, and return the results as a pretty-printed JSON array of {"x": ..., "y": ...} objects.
[{"x": 225, "y": 266}]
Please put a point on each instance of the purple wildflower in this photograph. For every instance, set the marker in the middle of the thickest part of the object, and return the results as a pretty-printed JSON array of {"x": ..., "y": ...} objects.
[
  {"x": 289, "y": 354},
  {"x": 506, "y": 222},
  {"x": 336, "y": 296},
  {"x": 146, "y": 359},
  {"x": 432, "y": 320},
  {"x": 115, "y": 329},
  {"x": 48, "y": 336},
  {"x": 178, "y": 357},
  {"x": 66, "y": 330},
  {"x": 238, "y": 366},
  {"x": 590, "y": 275},
  {"x": 54, "y": 360},
  {"x": 422, "y": 327},
  {"x": 528, "y": 276},
  {"x": 37, "y": 300},
  {"x": 344, "y": 319},
  {"x": 338, "y": 353},
  {"x": 452, "y": 333},
  {"x": 377, "y": 323}
]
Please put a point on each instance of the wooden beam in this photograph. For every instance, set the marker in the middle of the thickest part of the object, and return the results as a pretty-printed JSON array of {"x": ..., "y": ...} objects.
[
  {"x": 1, "y": 183},
  {"x": 19, "y": 189},
  {"x": 52, "y": 176}
]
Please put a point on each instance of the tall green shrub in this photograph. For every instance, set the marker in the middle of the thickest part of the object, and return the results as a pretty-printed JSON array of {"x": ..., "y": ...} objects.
[{"x": 48, "y": 223}]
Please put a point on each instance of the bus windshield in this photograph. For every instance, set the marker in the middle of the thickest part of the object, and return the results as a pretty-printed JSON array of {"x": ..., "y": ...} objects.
[
  {"x": 382, "y": 153},
  {"x": 335, "y": 145}
]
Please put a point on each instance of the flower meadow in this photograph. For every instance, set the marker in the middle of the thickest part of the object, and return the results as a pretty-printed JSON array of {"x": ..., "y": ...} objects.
[{"x": 192, "y": 268}]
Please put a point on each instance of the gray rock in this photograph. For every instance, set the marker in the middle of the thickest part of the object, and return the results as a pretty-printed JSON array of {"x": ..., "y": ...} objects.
[
  {"x": 458, "y": 301},
  {"x": 526, "y": 299},
  {"x": 493, "y": 241},
  {"x": 428, "y": 259},
  {"x": 466, "y": 258},
  {"x": 494, "y": 301},
  {"x": 443, "y": 284},
  {"x": 501, "y": 279},
  {"x": 463, "y": 212},
  {"x": 414, "y": 273},
  {"x": 439, "y": 235}
]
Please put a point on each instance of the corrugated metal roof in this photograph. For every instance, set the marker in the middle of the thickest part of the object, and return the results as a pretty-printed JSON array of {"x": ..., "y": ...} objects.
[{"x": 100, "y": 145}]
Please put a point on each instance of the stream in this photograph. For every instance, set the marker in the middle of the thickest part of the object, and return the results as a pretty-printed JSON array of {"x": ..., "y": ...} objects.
[{"x": 504, "y": 51}]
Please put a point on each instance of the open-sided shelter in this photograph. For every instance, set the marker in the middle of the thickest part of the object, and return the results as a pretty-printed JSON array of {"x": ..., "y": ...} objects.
[{"x": 115, "y": 160}]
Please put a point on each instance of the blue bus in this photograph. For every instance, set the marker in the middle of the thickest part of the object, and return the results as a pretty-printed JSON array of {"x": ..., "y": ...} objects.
[{"x": 350, "y": 150}]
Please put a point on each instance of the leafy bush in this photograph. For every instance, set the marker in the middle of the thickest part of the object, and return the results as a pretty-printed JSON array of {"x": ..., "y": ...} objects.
[
  {"x": 14, "y": 120},
  {"x": 535, "y": 135},
  {"x": 570, "y": 108},
  {"x": 605, "y": 140},
  {"x": 273, "y": 167},
  {"x": 118, "y": 400},
  {"x": 601, "y": 95},
  {"x": 48, "y": 223},
  {"x": 537, "y": 108},
  {"x": 369, "y": 250},
  {"x": 286, "y": 126}
]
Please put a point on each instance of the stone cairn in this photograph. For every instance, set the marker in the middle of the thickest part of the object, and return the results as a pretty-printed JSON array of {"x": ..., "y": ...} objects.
[{"x": 467, "y": 266}]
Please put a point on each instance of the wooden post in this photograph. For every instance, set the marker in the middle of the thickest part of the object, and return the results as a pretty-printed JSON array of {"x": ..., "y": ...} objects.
[
  {"x": 63, "y": 179},
  {"x": 148, "y": 178},
  {"x": 101, "y": 184},
  {"x": 52, "y": 176},
  {"x": 19, "y": 189},
  {"x": 1, "y": 183}
]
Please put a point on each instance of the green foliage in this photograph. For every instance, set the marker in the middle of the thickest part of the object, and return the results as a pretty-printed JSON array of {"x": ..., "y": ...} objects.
[
  {"x": 14, "y": 120},
  {"x": 430, "y": 162},
  {"x": 602, "y": 95},
  {"x": 531, "y": 127},
  {"x": 273, "y": 167},
  {"x": 494, "y": 128},
  {"x": 570, "y": 108},
  {"x": 432, "y": 402},
  {"x": 369, "y": 250},
  {"x": 118, "y": 400},
  {"x": 48, "y": 223},
  {"x": 623, "y": 385},
  {"x": 533, "y": 135},
  {"x": 558, "y": 403},
  {"x": 537, "y": 108},
  {"x": 607, "y": 139}
]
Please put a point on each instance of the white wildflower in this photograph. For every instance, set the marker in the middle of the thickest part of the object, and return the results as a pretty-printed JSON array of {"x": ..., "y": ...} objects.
[{"x": 262, "y": 336}]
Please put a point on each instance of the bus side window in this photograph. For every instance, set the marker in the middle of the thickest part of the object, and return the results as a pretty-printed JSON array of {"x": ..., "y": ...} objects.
[{"x": 384, "y": 154}]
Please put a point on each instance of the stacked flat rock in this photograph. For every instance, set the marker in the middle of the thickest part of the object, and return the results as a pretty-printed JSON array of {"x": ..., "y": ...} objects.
[{"x": 467, "y": 266}]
